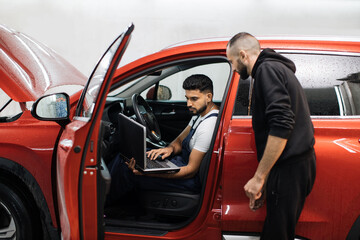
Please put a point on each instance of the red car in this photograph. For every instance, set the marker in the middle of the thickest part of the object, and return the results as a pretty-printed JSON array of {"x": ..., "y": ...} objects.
[{"x": 53, "y": 174}]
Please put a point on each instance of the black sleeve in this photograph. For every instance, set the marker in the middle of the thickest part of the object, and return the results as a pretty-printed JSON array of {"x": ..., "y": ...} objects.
[{"x": 278, "y": 112}]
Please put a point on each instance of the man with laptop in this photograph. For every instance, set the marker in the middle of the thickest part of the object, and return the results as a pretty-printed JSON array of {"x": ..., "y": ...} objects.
[{"x": 186, "y": 151}]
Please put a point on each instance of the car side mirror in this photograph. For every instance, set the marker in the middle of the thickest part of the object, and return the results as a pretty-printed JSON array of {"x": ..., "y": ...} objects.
[
  {"x": 54, "y": 107},
  {"x": 163, "y": 93}
]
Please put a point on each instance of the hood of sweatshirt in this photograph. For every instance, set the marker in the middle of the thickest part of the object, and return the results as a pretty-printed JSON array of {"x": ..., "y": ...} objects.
[{"x": 270, "y": 55}]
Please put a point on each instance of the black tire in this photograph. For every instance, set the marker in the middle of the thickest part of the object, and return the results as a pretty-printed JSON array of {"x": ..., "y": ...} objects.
[{"x": 15, "y": 215}]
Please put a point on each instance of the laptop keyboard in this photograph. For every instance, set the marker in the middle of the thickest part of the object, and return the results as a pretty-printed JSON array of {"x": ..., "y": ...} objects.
[{"x": 155, "y": 164}]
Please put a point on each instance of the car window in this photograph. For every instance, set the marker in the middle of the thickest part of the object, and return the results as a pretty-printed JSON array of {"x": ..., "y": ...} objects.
[
  {"x": 170, "y": 87},
  {"x": 331, "y": 84},
  {"x": 92, "y": 88},
  {"x": 8, "y": 107}
]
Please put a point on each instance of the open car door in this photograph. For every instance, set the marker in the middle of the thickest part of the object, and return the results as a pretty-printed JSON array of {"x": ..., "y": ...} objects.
[{"x": 81, "y": 177}]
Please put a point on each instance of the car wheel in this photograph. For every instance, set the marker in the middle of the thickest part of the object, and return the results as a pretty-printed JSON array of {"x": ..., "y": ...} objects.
[{"x": 15, "y": 218}]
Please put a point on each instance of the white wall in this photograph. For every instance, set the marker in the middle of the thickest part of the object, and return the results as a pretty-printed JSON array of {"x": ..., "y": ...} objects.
[{"x": 80, "y": 30}]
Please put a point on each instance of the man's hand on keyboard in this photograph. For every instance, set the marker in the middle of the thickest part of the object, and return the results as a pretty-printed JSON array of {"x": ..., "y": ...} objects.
[
  {"x": 154, "y": 153},
  {"x": 131, "y": 165}
]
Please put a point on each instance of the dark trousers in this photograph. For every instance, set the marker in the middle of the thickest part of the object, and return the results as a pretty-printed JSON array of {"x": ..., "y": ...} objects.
[
  {"x": 124, "y": 181},
  {"x": 287, "y": 187}
]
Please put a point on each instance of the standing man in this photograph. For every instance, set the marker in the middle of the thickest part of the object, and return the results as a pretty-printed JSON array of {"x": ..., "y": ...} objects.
[{"x": 284, "y": 135}]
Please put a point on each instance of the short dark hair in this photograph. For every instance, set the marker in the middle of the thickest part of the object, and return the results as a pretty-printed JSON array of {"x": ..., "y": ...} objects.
[
  {"x": 240, "y": 35},
  {"x": 198, "y": 81}
]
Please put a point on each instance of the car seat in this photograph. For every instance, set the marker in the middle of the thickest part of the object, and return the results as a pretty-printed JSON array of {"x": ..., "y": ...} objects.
[{"x": 177, "y": 203}]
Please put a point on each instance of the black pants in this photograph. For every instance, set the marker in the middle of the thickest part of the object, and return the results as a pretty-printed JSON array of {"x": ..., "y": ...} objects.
[
  {"x": 123, "y": 181},
  {"x": 287, "y": 188}
]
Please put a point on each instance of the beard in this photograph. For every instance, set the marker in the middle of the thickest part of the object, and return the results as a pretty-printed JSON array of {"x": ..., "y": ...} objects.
[
  {"x": 198, "y": 111},
  {"x": 242, "y": 70}
]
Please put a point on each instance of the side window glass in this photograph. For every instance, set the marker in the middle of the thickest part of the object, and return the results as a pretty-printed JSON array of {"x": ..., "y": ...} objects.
[
  {"x": 242, "y": 98},
  {"x": 331, "y": 84},
  {"x": 170, "y": 87}
]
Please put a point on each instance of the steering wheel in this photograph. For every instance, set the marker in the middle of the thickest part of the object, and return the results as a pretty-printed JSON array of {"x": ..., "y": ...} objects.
[{"x": 146, "y": 117}]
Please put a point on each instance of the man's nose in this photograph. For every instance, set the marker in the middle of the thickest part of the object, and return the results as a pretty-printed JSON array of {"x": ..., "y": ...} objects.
[{"x": 188, "y": 102}]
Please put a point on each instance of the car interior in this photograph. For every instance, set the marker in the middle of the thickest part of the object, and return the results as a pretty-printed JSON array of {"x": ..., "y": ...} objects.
[{"x": 158, "y": 96}]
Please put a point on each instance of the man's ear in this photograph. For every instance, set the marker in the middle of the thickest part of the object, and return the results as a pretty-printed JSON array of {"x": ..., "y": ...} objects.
[
  {"x": 209, "y": 96},
  {"x": 242, "y": 54}
]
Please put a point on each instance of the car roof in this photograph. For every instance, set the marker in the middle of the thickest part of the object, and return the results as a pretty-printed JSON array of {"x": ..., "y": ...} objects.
[
  {"x": 28, "y": 69},
  {"x": 217, "y": 46},
  {"x": 273, "y": 39}
]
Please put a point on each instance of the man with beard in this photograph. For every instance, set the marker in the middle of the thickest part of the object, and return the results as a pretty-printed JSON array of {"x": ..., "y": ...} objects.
[
  {"x": 284, "y": 135},
  {"x": 186, "y": 151}
]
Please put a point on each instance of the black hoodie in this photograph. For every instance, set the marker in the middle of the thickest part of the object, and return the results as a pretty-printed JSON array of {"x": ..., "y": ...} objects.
[{"x": 279, "y": 107}]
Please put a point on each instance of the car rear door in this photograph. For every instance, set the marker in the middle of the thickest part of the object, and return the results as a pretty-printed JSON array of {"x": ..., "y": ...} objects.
[
  {"x": 332, "y": 87},
  {"x": 81, "y": 178}
]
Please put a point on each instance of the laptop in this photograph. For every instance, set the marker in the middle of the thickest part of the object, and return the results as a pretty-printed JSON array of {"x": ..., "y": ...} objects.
[{"x": 133, "y": 145}]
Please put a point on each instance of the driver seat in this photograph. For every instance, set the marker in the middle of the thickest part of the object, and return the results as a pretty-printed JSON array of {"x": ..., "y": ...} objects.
[{"x": 177, "y": 203}]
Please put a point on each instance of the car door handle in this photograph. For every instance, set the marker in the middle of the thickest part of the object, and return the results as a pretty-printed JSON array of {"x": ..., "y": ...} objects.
[{"x": 168, "y": 113}]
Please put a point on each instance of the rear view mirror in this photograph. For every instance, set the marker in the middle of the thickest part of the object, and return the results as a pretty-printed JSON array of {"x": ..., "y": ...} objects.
[{"x": 54, "y": 107}]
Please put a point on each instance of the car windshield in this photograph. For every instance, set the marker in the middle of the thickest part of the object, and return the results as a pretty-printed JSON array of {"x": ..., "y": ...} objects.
[
  {"x": 4, "y": 100},
  {"x": 9, "y": 107},
  {"x": 126, "y": 86}
]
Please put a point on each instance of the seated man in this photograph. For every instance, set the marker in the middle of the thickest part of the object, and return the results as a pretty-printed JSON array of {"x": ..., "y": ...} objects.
[{"x": 188, "y": 149}]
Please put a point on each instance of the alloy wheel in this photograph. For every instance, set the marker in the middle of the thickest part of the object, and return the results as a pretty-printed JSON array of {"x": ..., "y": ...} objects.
[{"x": 7, "y": 227}]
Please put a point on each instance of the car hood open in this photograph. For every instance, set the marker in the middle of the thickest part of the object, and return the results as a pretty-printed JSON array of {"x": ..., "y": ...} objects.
[{"x": 28, "y": 68}]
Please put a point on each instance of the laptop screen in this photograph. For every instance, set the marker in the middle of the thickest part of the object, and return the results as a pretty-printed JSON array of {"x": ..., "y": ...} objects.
[{"x": 132, "y": 139}]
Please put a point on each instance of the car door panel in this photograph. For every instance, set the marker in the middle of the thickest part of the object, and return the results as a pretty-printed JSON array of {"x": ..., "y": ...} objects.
[
  {"x": 172, "y": 117},
  {"x": 332, "y": 209},
  {"x": 78, "y": 162},
  {"x": 67, "y": 172},
  {"x": 239, "y": 165},
  {"x": 323, "y": 204}
]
